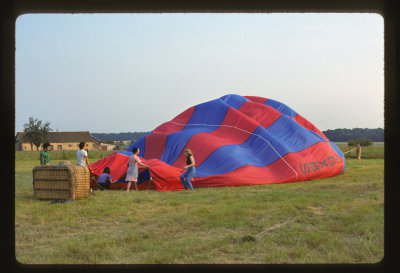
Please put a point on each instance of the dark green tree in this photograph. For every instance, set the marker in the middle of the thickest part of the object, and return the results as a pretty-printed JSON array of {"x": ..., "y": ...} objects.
[
  {"x": 36, "y": 132},
  {"x": 355, "y": 142},
  {"x": 339, "y": 135},
  {"x": 351, "y": 143},
  {"x": 361, "y": 141}
]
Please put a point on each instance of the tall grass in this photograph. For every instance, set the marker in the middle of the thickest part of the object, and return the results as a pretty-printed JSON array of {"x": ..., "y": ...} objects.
[{"x": 334, "y": 220}]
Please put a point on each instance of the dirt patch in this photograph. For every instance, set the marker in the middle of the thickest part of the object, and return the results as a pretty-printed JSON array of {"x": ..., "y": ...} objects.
[{"x": 317, "y": 210}]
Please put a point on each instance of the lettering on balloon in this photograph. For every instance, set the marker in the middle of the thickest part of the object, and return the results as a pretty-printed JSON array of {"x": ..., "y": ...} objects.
[{"x": 308, "y": 167}]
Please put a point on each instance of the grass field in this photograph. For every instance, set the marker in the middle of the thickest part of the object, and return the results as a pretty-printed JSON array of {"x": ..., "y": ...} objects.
[{"x": 334, "y": 220}]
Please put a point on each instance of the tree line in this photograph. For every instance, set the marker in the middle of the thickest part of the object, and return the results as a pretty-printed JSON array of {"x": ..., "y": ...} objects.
[
  {"x": 344, "y": 135},
  {"x": 336, "y": 135},
  {"x": 119, "y": 136},
  {"x": 36, "y": 133}
]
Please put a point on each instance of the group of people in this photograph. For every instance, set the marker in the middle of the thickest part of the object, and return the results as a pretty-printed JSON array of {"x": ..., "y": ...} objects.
[
  {"x": 81, "y": 155},
  {"x": 133, "y": 169},
  {"x": 132, "y": 173},
  {"x": 134, "y": 162}
]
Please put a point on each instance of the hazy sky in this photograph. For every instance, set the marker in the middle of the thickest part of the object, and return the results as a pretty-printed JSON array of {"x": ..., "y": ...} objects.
[{"x": 111, "y": 73}]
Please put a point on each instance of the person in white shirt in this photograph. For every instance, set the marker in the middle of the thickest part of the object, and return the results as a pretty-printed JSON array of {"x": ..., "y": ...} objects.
[{"x": 82, "y": 156}]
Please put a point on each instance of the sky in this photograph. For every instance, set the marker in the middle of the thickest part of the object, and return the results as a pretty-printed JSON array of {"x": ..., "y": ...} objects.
[{"x": 111, "y": 73}]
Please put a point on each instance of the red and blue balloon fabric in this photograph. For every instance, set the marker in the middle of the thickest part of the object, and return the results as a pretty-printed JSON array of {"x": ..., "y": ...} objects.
[{"x": 236, "y": 141}]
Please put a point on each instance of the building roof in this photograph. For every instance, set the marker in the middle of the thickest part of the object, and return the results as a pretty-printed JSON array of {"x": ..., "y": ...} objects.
[{"x": 63, "y": 137}]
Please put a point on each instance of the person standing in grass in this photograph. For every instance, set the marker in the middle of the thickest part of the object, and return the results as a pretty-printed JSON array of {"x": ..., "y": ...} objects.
[
  {"x": 44, "y": 156},
  {"x": 133, "y": 168},
  {"x": 358, "y": 151},
  {"x": 190, "y": 170},
  {"x": 82, "y": 156}
]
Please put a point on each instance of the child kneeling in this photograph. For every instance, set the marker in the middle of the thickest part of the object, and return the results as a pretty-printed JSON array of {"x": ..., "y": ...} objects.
[{"x": 105, "y": 180}]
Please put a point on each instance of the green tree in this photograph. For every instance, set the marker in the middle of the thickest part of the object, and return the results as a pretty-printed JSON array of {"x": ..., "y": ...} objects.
[
  {"x": 355, "y": 142},
  {"x": 36, "y": 132},
  {"x": 365, "y": 142},
  {"x": 361, "y": 141}
]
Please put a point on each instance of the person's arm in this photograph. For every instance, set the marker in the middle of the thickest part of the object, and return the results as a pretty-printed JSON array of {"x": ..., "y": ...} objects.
[
  {"x": 190, "y": 165},
  {"x": 141, "y": 164},
  {"x": 109, "y": 179},
  {"x": 193, "y": 163},
  {"x": 46, "y": 158},
  {"x": 41, "y": 158},
  {"x": 129, "y": 161},
  {"x": 144, "y": 166},
  {"x": 87, "y": 160}
]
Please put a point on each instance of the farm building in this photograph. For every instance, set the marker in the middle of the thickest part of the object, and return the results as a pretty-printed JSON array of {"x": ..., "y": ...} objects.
[
  {"x": 107, "y": 147},
  {"x": 60, "y": 141}
]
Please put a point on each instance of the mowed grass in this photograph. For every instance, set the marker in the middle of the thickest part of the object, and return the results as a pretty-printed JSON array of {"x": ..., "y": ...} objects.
[{"x": 334, "y": 220}]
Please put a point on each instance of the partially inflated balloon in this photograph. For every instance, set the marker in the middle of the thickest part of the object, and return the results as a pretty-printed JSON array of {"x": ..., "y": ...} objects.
[{"x": 235, "y": 141}]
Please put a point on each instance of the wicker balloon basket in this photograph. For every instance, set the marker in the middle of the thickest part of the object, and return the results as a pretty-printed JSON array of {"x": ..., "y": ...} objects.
[{"x": 61, "y": 182}]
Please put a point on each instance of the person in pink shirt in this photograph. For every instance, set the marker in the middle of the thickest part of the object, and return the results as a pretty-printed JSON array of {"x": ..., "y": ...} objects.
[{"x": 133, "y": 168}]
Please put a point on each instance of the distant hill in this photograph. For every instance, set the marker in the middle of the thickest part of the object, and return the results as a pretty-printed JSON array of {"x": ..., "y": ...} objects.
[
  {"x": 336, "y": 135},
  {"x": 119, "y": 136}
]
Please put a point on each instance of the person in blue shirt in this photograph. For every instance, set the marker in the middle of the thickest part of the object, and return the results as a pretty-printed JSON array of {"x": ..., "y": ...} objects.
[{"x": 104, "y": 179}]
